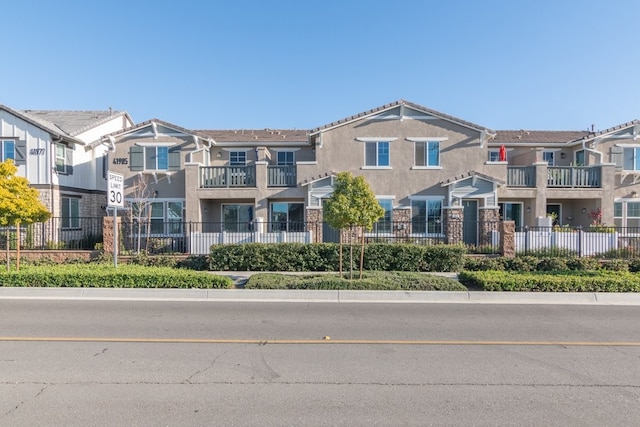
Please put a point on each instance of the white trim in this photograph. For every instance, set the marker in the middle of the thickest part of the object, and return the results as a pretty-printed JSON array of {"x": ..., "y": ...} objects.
[
  {"x": 495, "y": 163},
  {"x": 285, "y": 150},
  {"x": 230, "y": 150},
  {"x": 426, "y": 167},
  {"x": 376, "y": 167},
  {"x": 386, "y": 197},
  {"x": 155, "y": 144},
  {"x": 426, "y": 139},
  {"x": 627, "y": 145},
  {"x": 376, "y": 139}
]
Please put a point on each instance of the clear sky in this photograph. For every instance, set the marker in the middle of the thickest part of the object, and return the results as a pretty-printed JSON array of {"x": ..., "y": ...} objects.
[{"x": 244, "y": 64}]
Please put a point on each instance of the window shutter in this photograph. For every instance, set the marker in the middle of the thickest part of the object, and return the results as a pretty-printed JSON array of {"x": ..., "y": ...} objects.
[
  {"x": 616, "y": 156},
  {"x": 136, "y": 158},
  {"x": 68, "y": 160},
  {"x": 20, "y": 153},
  {"x": 174, "y": 158}
]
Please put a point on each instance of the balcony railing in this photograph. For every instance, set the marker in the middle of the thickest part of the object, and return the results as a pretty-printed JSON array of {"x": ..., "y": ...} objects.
[
  {"x": 557, "y": 176},
  {"x": 574, "y": 177},
  {"x": 521, "y": 176},
  {"x": 281, "y": 176},
  {"x": 227, "y": 176}
]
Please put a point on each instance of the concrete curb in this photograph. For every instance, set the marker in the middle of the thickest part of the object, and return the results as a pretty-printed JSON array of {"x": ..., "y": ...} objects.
[{"x": 317, "y": 296}]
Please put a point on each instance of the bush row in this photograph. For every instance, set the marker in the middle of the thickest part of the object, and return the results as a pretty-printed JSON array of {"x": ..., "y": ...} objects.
[
  {"x": 325, "y": 257},
  {"x": 530, "y": 263},
  {"x": 125, "y": 276},
  {"x": 370, "y": 281},
  {"x": 574, "y": 281}
]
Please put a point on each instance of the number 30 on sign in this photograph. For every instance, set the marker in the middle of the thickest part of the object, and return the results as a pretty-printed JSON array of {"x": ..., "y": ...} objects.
[{"x": 115, "y": 190}]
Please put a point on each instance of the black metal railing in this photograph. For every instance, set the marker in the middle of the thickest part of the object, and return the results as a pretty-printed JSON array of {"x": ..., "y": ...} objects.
[{"x": 77, "y": 233}]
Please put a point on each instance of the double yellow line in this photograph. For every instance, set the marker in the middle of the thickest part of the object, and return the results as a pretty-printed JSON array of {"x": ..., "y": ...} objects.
[{"x": 325, "y": 340}]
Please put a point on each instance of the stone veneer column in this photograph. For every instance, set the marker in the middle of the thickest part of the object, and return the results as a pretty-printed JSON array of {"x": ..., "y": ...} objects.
[
  {"x": 453, "y": 221},
  {"x": 314, "y": 223},
  {"x": 107, "y": 233},
  {"x": 508, "y": 238},
  {"x": 401, "y": 222},
  {"x": 489, "y": 222}
]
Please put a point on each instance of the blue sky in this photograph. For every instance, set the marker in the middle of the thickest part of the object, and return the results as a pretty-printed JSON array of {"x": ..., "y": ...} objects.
[{"x": 300, "y": 64}]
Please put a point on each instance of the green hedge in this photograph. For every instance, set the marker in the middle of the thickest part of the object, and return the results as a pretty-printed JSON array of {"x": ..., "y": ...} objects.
[
  {"x": 561, "y": 281},
  {"x": 530, "y": 263},
  {"x": 370, "y": 281},
  {"x": 102, "y": 276},
  {"x": 325, "y": 257}
]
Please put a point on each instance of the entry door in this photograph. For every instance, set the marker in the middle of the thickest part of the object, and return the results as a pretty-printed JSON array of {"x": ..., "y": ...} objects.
[
  {"x": 470, "y": 224},
  {"x": 329, "y": 234},
  {"x": 555, "y": 210}
]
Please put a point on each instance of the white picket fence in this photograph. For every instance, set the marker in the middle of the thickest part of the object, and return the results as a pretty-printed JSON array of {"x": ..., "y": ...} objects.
[
  {"x": 200, "y": 243},
  {"x": 581, "y": 242}
]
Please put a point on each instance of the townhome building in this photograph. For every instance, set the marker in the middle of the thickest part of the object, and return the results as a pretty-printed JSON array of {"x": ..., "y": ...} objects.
[
  {"x": 427, "y": 169},
  {"x": 61, "y": 155}
]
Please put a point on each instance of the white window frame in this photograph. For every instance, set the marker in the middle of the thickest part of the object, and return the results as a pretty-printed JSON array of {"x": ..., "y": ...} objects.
[
  {"x": 547, "y": 153},
  {"x": 156, "y": 148},
  {"x": 426, "y": 141},
  {"x": 382, "y": 222},
  {"x": 249, "y": 223},
  {"x": 428, "y": 199},
  {"x": 60, "y": 160},
  {"x": 285, "y": 161},
  {"x": 240, "y": 158},
  {"x": 274, "y": 223}
]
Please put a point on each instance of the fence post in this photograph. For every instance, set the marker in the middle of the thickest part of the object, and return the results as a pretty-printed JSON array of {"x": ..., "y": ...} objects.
[
  {"x": 526, "y": 239},
  {"x": 508, "y": 239},
  {"x": 580, "y": 251}
]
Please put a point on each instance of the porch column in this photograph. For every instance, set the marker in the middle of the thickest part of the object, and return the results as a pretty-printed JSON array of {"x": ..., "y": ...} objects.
[
  {"x": 489, "y": 221},
  {"x": 453, "y": 221},
  {"x": 401, "y": 220},
  {"x": 508, "y": 239},
  {"x": 541, "y": 185},
  {"x": 607, "y": 183},
  {"x": 314, "y": 223}
]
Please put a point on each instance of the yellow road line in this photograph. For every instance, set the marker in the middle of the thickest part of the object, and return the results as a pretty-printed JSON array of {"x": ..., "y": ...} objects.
[{"x": 324, "y": 341}]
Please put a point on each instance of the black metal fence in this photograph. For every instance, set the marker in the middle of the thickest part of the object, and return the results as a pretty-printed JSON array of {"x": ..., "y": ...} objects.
[{"x": 55, "y": 234}]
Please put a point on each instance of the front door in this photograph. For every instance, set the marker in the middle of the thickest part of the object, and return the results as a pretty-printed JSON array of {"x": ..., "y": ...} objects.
[
  {"x": 554, "y": 210},
  {"x": 470, "y": 224}
]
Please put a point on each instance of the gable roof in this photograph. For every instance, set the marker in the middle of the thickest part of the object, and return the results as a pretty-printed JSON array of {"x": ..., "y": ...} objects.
[
  {"x": 74, "y": 123},
  {"x": 254, "y": 135},
  {"x": 400, "y": 103},
  {"x": 470, "y": 174},
  {"x": 537, "y": 136},
  {"x": 153, "y": 122},
  {"x": 55, "y": 131}
]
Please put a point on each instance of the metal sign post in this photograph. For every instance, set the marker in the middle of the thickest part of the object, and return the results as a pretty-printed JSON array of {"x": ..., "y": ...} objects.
[{"x": 115, "y": 200}]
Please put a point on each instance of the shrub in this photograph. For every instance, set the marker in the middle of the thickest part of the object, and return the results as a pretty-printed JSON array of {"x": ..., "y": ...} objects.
[
  {"x": 370, "y": 281},
  {"x": 125, "y": 276},
  {"x": 575, "y": 281}
]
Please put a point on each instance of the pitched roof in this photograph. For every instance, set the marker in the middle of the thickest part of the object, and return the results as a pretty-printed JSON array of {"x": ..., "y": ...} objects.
[
  {"x": 471, "y": 174},
  {"x": 45, "y": 125},
  {"x": 159, "y": 122},
  {"x": 395, "y": 104},
  {"x": 72, "y": 123},
  {"x": 254, "y": 135},
  {"x": 537, "y": 136},
  {"x": 612, "y": 129}
]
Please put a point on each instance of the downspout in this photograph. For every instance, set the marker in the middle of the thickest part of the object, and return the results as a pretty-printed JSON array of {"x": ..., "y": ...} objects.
[{"x": 591, "y": 150}]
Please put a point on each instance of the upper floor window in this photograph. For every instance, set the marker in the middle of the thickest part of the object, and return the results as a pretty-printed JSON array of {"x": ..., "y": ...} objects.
[
  {"x": 631, "y": 158},
  {"x": 548, "y": 156},
  {"x": 156, "y": 158},
  {"x": 377, "y": 154},
  {"x": 579, "y": 158},
  {"x": 427, "y": 153},
  {"x": 7, "y": 150},
  {"x": 494, "y": 156},
  {"x": 64, "y": 159},
  {"x": 285, "y": 158},
  {"x": 237, "y": 158}
]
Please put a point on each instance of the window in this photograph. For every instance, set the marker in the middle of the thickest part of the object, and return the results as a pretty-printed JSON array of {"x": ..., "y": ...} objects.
[
  {"x": 579, "y": 158},
  {"x": 494, "y": 156},
  {"x": 61, "y": 158},
  {"x": 377, "y": 154},
  {"x": 427, "y": 153},
  {"x": 156, "y": 158},
  {"x": 7, "y": 150},
  {"x": 285, "y": 158},
  {"x": 164, "y": 217},
  {"x": 70, "y": 212},
  {"x": 237, "y": 158},
  {"x": 426, "y": 216},
  {"x": 287, "y": 216},
  {"x": 548, "y": 156},
  {"x": 385, "y": 222},
  {"x": 237, "y": 218},
  {"x": 631, "y": 158},
  {"x": 511, "y": 212}
]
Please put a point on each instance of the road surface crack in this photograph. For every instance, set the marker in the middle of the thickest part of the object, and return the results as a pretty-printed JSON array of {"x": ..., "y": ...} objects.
[
  {"x": 213, "y": 362},
  {"x": 10, "y": 411}
]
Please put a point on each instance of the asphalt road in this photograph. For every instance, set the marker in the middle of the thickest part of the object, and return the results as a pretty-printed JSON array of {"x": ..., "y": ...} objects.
[{"x": 213, "y": 363}]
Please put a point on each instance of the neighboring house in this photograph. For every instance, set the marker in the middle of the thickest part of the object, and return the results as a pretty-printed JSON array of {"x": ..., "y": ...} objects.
[{"x": 59, "y": 152}]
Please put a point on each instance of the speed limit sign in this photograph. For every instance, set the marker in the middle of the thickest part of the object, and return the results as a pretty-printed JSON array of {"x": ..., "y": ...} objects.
[{"x": 115, "y": 190}]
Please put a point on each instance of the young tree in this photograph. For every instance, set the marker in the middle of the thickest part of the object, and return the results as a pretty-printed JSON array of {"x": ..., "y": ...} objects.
[
  {"x": 140, "y": 212},
  {"x": 352, "y": 203},
  {"x": 19, "y": 204}
]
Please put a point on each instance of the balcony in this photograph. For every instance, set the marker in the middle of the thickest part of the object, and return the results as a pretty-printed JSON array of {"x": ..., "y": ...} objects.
[
  {"x": 574, "y": 177},
  {"x": 521, "y": 176},
  {"x": 281, "y": 176},
  {"x": 227, "y": 176},
  {"x": 557, "y": 176}
]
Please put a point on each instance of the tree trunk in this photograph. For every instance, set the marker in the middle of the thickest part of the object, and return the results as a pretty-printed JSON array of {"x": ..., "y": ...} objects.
[
  {"x": 350, "y": 253},
  {"x": 340, "y": 263}
]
